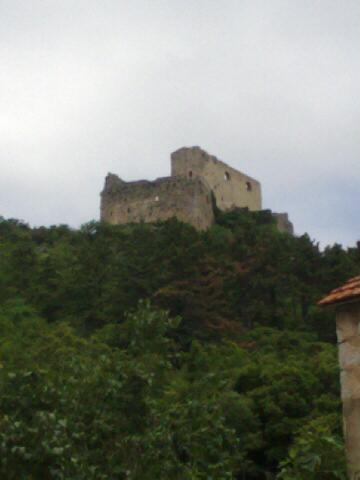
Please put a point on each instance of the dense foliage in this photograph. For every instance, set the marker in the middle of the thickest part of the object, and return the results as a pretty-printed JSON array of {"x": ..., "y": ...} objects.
[{"x": 159, "y": 352}]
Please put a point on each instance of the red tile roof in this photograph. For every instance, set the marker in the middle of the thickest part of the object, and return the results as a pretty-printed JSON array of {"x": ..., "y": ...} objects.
[{"x": 347, "y": 293}]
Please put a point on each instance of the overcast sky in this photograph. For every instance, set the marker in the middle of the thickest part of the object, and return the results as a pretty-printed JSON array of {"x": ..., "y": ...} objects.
[{"x": 271, "y": 87}]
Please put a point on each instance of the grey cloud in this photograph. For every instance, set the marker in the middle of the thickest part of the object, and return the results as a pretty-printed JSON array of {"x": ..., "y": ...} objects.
[{"x": 89, "y": 87}]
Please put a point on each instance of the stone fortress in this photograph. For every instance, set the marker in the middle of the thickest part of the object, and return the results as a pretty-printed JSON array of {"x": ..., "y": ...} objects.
[{"x": 197, "y": 181}]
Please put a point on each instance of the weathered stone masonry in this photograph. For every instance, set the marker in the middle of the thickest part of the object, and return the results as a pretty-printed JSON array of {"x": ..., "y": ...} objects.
[
  {"x": 196, "y": 178},
  {"x": 144, "y": 201},
  {"x": 230, "y": 187}
]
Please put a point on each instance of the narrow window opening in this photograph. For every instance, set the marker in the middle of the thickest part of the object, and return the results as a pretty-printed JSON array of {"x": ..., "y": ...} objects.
[
  {"x": 190, "y": 174},
  {"x": 156, "y": 198},
  {"x": 129, "y": 210},
  {"x": 248, "y": 186},
  {"x": 227, "y": 176}
]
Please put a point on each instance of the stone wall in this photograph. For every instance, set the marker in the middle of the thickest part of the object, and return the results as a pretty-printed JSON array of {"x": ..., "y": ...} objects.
[
  {"x": 348, "y": 334},
  {"x": 283, "y": 223},
  {"x": 189, "y": 200},
  {"x": 230, "y": 187}
]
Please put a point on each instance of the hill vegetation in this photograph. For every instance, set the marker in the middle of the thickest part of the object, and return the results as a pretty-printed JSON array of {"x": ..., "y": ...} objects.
[{"x": 154, "y": 351}]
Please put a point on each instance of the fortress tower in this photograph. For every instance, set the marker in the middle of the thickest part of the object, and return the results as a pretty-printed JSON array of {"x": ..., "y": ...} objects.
[{"x": 230, "y": 187}]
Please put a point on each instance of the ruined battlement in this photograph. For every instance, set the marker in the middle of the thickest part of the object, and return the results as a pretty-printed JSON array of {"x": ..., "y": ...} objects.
[
  {"x": 161, "y": 199},
  {"x": 197, "y": 180}
]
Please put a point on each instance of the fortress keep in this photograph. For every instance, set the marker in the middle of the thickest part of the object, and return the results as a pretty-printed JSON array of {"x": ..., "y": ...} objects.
[
  {"x": 230, "y": 187},
  {"x": 197, "y": 180}
]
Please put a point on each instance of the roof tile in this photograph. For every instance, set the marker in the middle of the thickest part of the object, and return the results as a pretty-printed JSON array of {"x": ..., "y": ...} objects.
[{"x": 348, "y": 292}]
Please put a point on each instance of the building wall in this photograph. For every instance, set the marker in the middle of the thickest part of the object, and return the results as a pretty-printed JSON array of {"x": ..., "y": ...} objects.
[
  {"x": 283, "y": 223},
  {"x": 348, "y": 336},
  {"x": 133, "y": 202},
  {"x": 230, "y": 187}
]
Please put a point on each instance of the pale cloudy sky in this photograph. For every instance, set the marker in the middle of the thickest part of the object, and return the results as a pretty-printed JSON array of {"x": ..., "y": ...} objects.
[{"x": 271, "y": 87}]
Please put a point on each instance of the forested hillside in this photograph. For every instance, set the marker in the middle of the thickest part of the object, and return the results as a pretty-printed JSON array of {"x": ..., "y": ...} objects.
[{"x": 148, "y": 352}]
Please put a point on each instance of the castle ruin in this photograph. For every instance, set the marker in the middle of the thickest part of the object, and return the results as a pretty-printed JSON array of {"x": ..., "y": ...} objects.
[{"x": 197, "y": 180}]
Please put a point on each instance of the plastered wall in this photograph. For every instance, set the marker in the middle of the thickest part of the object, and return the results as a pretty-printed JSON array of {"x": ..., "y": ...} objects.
[{"x": 348, "y": 334}]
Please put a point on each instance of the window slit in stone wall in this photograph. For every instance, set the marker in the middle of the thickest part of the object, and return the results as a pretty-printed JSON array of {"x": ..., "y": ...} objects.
[
  {"x": 128, "y": 210},
  {"x": 248, "y": 186},
  {"x": 190, "y": 174},
  {"x": 156, "y": 198},
  {"x": 227, "y": 176}
]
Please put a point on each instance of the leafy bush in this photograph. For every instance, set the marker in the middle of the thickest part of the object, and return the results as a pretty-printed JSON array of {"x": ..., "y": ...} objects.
[{"x": 97, "y": 384}]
